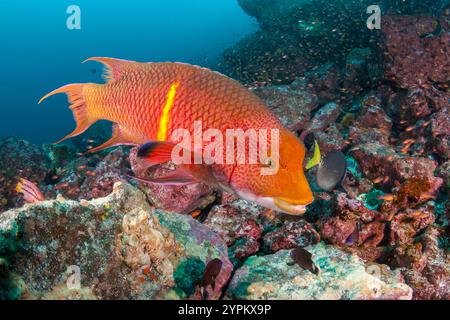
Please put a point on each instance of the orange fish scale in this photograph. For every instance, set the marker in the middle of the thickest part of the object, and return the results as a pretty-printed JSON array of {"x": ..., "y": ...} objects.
[{"x": 137, "y": 99}]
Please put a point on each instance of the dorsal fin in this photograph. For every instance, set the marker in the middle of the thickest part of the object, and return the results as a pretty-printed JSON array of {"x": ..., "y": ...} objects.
[{"x": 113, "y": 67}]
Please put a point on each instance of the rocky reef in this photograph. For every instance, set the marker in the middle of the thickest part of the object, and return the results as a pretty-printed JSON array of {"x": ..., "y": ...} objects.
[
  {"x": 381, "y": 97},
  {"x": 341, "y": 276},
  {"x": 120, "y": 246}
]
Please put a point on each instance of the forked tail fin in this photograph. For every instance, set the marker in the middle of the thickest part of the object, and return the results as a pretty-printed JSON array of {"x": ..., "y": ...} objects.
[{"x": 79, "y": 107}]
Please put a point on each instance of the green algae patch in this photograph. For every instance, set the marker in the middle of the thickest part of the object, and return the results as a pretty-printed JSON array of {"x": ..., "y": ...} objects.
[
  {"x": 371, "y": 200},
  {"x": 11, "y": 285},
  {"x": 188, "y": 274}
]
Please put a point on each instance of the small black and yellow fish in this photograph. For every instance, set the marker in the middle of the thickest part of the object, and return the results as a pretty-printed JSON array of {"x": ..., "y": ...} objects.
[{"x": 331, "y": 169}]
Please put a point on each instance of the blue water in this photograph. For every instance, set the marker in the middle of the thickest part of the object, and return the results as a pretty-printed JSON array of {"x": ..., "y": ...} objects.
[{"x": 39, "y": 53}]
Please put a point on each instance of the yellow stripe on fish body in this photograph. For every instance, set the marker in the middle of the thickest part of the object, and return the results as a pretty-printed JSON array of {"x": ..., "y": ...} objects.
[{"x": 163, "y": 123}]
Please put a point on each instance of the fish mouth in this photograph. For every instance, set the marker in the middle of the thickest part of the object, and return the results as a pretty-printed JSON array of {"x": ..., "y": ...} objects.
[{"x": 290, "y": 208}]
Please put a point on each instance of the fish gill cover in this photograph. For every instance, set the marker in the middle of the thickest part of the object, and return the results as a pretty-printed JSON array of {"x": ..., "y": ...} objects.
[{"x": 365, "y": 80}]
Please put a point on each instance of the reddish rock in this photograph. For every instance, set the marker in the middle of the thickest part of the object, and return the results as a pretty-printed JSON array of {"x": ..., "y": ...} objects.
[
  {"x": 292, "y": 105},
  {"x": 99, "y": 182},
  {"x": 232, "y": 223},
  {"x": 354, "y": 186},
  {"x": 326, "y": 82},
  {"x": 440, "y": 123},
  {"x": 374, "y": 116},
  {"x": 19, "y": 159},
  {"x": 371, "y": 234},
  {"x": 406, "y": 225},
  {"x": 180, "y": 199},
  {"x": 330, "y": 139},
  {"x": 250, "y": 228},
  {"x": 410, "y": 256},
  {"x": 326, "y": 116},
  {"x": 411, "y": 193},
  {"x": 352, "y": 224},
  {"x": 412, "y": 60},
  {"x": 243, "y": 247},
  {"x": 440, "y": 132},
  {"x": 431, "y": 280},
  {"x": 444, "y": 172},
  {"x": 361, "y": 135},
  {"x": 335, "y": 230},
  {"x": 413, "y": 106},
  {"x": 377, "y": 160},
  {"x": 291, "y": 235}
]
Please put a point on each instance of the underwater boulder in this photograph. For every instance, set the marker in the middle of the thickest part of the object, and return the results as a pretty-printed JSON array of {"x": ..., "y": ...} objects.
[
  {"x": 231, "y": 223},
  {"x": 341, "y": 276},
  {"x": 352, "y": 223},
  {"x": 120, "y": 247},
  {"x": 331, "y": 139},
  {"x": 291, "y": 104},
  {"x": 240, "y": 223},
  {"x": 179, "y": 199},
  {"x": 324, "y": 117},
  {"x": 111, "y": 169},
  {"x": 19, "y": 159},
  {"x": 290, "y": 235},
  {"x": 378, "y": 160},
  {"x": 430, "y": 280},
  {"x": 444, "y": 172},
  {"x": 415, "y": 55},
  {"x": 440, "y": 132}
]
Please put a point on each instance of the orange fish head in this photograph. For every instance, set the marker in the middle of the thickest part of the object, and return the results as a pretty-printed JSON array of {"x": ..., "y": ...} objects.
[{"x": 280, "y": 183}]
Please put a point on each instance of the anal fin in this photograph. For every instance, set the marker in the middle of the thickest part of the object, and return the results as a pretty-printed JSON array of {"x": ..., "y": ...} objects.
[{"x": 120, "y": 136}]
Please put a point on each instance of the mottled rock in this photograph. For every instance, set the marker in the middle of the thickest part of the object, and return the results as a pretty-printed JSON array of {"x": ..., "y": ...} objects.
[
  {"x": 411, "y": 193},
  {"x": 290, "y": 235},
  {"x": 99, "y": 182},
  {"x": 330, "y": 139},
  {"x": 342, "y": 276},
  {"x": 375, "y": 117},
  {"x": 444, "y": 172},
  {"x": 352, "y": 223},
  {"x": 324, "y": 117},
  {"x": 19, "y": 158},
  {"x": 180, "y": 199},
  {"x": 414, "y": 60},
  {"x": 377, "y": 160},
  {"x": 432, "y": 279},
  {"x": 440, "y": 131},
  {"x": 406, "y": 225},
  {"x": 122, "y": 248},
  {"x": 291, "y": 104}
]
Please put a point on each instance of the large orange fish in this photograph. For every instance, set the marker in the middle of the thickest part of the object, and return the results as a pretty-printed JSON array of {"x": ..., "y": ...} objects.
[{"x": 148, "y": 102}]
